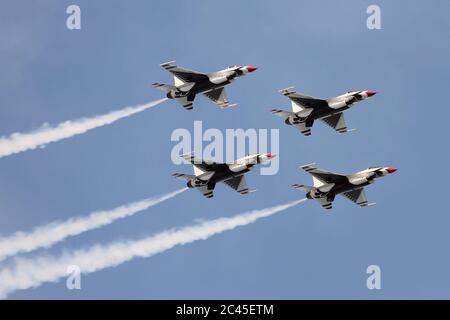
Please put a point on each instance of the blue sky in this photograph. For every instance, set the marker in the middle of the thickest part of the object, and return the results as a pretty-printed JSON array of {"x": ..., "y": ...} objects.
[{"x": 323, "y": 48}]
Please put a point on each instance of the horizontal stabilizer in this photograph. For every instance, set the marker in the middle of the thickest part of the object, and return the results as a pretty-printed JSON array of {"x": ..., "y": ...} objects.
[
  {"x": 187, "y": 155},
  {"x": 282, "y": 113},
  {"x": 287, "y": 90},
  {"x": 303, "y": 187},
  {"x": 183, "y": 176},
  {"x": 168, "y": 64},
  {"x": 243, "y": 192},
  {"x": 186, "y": 101},
  {"x": 346, "y": 131},
  {"x": 163, "y": 87},
  {"x": 191, "y": 158},
  {"x": 309, "y": 167},
  {"x": 326, "y": 203},
  {"x": 369, "y": 205}
]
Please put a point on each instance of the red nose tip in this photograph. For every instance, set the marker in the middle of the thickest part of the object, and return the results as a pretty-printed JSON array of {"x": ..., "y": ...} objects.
[
  {"x": 391, "y": 170},
  {"x": 251, "y": 68},
  {"x": 371, "y": 93}
]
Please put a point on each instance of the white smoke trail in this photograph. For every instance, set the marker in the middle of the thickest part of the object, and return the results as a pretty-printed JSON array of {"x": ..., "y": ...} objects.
[
  {"x": 47, "y": 235},
  {"x": 19, "y": 142},
  {"x": 30, "y": 273}
]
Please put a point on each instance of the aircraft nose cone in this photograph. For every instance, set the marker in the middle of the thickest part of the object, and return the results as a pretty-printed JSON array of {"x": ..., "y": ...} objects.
[
  {"x": 371, "y": 93},
  {"x": 251, "y": 68},
  {"x": 266, "y": 157},
  {"x": 391, "y": 170}
]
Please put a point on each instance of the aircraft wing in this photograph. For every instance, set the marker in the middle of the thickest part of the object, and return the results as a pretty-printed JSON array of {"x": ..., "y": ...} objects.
[
  {"x": 326, "y": 177},
  {"x": 204, "y": 165},
  {"x": 219, "y": 97},
  {"x": 337, "y": 122},
  {"x": 357, "y": 196},
  {"x": 239, "y": 184},
  {"x": 184, "y": 74},
  {"x": 306, "y": 101}
]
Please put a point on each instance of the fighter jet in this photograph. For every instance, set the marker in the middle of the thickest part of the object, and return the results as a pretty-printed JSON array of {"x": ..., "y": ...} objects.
[
  {"x": 189, "y": 83},
  {"x": 306, "y": 109},
  {"x": 208, "y": 173},
  {"x": 326, "y": 185}
]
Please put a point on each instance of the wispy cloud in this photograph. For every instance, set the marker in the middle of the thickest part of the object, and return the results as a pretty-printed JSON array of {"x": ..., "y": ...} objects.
[
  {"x": 47, "y": 235},
  {"x": 29, "y": 273},
  {"x": 19, "y": 142}
]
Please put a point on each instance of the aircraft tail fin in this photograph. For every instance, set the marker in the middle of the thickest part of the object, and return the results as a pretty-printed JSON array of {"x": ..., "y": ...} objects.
[{"x": 178, "y": 82}]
